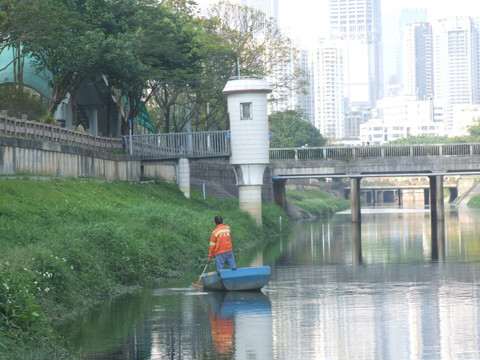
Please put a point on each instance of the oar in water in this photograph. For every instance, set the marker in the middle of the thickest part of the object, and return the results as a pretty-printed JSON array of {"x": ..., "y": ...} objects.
[{"x": 198, "y": 284}]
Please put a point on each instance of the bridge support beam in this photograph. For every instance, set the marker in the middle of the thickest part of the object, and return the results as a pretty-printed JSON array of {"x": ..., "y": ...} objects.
[
  {"x": 436, "y": 198},
  {"x": 250, "y": 200},
  {"x": 184, "y": 176},
  {"x": 279, "y": 195},
  {"x": 249, "y": 181},
  {"x": 355, "y": 199}
]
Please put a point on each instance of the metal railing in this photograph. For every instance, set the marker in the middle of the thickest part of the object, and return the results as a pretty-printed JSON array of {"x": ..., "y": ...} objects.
[
  {"x": 39, "y": 130},
  {"x": 212, "y": 144},
  {"x": 200, "y": 144},
  {"x": 362, "y": 152}
]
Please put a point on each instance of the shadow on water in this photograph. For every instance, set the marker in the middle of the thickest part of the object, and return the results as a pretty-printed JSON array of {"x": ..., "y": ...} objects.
[{"x": 177, "y": 323}]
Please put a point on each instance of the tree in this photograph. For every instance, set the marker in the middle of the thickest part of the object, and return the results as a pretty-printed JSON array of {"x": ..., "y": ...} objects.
[
  {"x": 288, "y": 129},
  {"x": 257, "y": 41},
  {"x": 474, "y": 131},
  {"x": 22, "y": 21},
  {"x": 422, "y": 139},
  {"x": 229, "y": 35},
  {"x": 180, "y": 53},
  {"x": 91, "y": 40}
]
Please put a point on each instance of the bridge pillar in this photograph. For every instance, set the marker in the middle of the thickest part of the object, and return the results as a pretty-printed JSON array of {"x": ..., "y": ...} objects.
[
  {"x": 426, "y": 195},
  {"x": 355, "y": 199},
  {"x": 249, "y": 181},
  {"x": 399, "y": 197},
  {"x": 250, "y": 200},
  {"x": 436, "y": 198},
  {"x": 279, "y": 195},
  {"x": 184, "y": 176}
]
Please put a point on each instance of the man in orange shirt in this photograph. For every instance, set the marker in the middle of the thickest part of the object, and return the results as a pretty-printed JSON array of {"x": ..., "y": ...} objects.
[{"x": 221, "y": 246}]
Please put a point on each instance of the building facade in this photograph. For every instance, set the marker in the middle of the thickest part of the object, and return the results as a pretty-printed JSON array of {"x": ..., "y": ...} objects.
[
  {"x": 355, "y": 25},
  {"x": 268, "y": 7},
  {"x": 418, "y": 60},
  {"x": 456, "y": 57},
  {"x": 328, "y": 91},
  {"x": 398, "y": 117}
]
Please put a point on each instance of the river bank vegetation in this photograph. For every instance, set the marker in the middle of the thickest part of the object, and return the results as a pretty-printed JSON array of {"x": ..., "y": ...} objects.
[
  {"x": 315, "y": 203},
  {"x": 474, "y": 202},
  {"x": 70, "y": 244}
]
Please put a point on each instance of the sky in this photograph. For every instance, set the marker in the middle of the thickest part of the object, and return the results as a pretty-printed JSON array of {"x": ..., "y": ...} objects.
[{"x": 308, "y": 19}]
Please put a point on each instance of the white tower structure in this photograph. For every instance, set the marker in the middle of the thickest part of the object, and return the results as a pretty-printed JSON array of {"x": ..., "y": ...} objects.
[{"x": 247, "y": 108}]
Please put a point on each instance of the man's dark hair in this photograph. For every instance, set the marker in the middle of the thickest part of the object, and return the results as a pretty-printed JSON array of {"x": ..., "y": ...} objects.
[{"x": 218, "y": 220}]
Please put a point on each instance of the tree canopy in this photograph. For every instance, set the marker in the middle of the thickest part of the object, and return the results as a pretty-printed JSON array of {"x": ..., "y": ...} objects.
[
  {"x": 288, "y": 129},
  {"x": 162, "y": 53}
]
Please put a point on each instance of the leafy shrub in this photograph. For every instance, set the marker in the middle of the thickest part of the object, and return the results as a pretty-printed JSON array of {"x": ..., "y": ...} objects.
[{"x": 18, "y": 102}]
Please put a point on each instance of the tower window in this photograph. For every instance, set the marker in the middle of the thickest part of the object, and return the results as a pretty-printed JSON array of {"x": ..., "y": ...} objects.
[{"x": 246, "y": 111}]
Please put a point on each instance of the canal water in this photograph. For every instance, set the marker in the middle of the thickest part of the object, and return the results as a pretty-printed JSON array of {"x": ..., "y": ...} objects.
[{"x": 387, "y": 289}]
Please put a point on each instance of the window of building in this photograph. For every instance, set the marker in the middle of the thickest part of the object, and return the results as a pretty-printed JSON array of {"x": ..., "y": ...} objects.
[{"x": 246, "y": 111}]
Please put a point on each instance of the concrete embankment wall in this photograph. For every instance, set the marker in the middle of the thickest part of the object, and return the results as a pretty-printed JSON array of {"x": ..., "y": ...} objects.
[
  {"x": 33, "y": 157},
  {"x": 218, "y": 178},
  {"x": 22, "y": 156}
]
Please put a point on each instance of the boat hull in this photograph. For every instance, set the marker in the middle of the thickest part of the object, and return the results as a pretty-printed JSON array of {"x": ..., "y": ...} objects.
[{"x": 241, "y": 279}]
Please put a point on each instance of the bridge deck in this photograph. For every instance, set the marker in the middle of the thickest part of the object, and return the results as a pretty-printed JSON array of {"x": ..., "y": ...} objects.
[{"x": 376, "y": 161}]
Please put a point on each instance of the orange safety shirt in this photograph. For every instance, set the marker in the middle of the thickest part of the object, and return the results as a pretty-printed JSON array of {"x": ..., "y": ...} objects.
[{"x": 220, "y": 241}]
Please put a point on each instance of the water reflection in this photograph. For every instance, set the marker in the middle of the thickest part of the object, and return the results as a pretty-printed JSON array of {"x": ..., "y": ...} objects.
[
  {"x": 356, "y": 229},
  {"x": 241, "y": 324},
  {"x": 395, "y": 286}
]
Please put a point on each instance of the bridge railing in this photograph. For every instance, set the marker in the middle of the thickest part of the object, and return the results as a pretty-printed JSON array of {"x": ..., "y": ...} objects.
[
  {"x": 179, "y": 145},
  {"x": 362, "y": 152},
  {"x": 39, "y": 130}
]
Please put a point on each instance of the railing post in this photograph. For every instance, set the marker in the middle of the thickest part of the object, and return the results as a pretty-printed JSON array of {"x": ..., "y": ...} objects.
[{"x": 3, "y": 116}]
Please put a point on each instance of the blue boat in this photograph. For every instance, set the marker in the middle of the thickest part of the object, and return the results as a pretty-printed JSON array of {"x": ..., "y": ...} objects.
[{"x": 241, "y": 279}]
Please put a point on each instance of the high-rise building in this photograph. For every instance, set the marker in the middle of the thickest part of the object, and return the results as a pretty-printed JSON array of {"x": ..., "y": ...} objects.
[
  {"x": 407, "y": 16},
  {"x": 418, "y": 60},
  {"x": 328, "y": 91},
  {"x": 456, "y": 60},
  {"x": 283, "y": 97},
  {"x": 268, "y": 7},
  {"x": 355, "y": 25},
  {"x": 304, "y": 92},
  {"x": 399, "y": 117}
]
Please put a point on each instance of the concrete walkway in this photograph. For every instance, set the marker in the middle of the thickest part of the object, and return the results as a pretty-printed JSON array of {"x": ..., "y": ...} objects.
[{"x": 475, "y": 190}]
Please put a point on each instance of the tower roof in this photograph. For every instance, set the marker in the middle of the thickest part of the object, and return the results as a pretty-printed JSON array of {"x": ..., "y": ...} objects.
[{"x": 246, "y": 84}]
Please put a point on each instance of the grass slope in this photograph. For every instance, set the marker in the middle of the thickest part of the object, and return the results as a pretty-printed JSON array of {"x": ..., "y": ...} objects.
[
  {"x": 316, "y": 203},
  {"x": 66, "y": 245}
]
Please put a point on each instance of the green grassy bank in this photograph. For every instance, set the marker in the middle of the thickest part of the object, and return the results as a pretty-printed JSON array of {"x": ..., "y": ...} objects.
[
  {"x": 66, "y": 245},
  {"x": 316, "y": 203},
  {"x": 474, "y": 202}
]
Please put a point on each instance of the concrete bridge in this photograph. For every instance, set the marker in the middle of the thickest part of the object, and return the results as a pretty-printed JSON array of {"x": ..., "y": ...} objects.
[
  {"x": 433, "y": 162},
  {"x": 23, "y": 149},
  {"x": 355, "y": 163}
]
